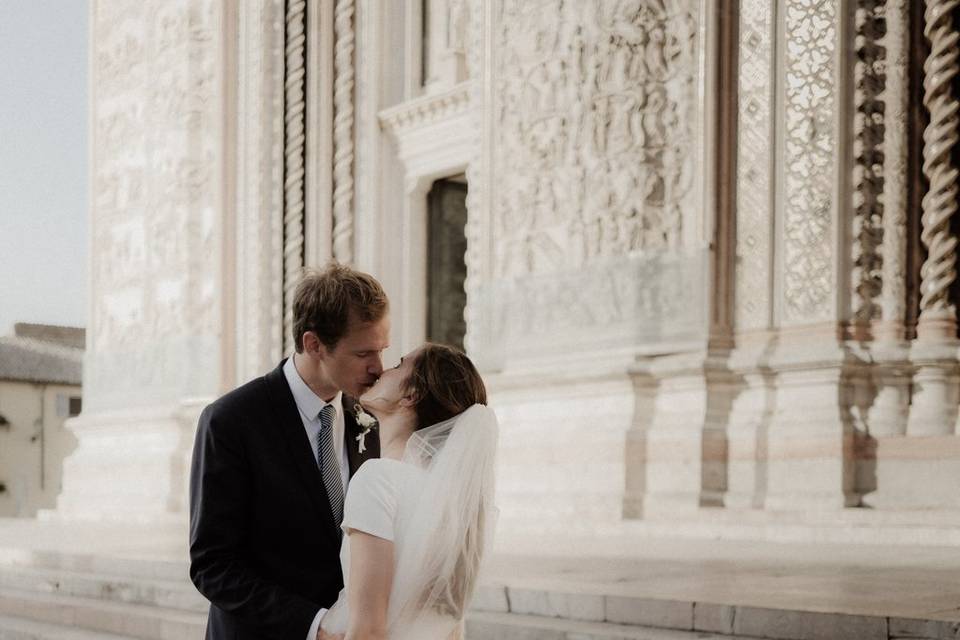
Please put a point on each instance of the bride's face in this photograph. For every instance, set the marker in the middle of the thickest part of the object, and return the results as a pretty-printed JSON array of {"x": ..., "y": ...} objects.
[{"x": 388, "y": 395}]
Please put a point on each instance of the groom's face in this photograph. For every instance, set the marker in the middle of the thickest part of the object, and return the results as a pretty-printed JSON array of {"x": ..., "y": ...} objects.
[{"x": 355, "y": 363}]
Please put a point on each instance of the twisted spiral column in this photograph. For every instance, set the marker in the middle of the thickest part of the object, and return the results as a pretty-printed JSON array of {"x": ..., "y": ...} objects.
[
  {"x": 343, "y": 146},
  {"x": 940, "y": 138},
  {"x": 933, "y": 409},
  {"x": 293, "y": 165}
]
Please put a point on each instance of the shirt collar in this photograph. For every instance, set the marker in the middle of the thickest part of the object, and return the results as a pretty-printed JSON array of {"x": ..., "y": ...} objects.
[{"x": 307, "y": 401}]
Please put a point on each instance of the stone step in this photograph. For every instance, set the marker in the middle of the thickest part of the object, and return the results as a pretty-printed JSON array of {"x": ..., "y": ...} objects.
[
  {"x": 21, "y": 629},
  {"x": 563, "y": 610},
  {"x": 171, "y": 594},
  {"x": 507, "y": 626},
  {"x": 93, "y": 563},
  {"x": 134, "y": 620}
]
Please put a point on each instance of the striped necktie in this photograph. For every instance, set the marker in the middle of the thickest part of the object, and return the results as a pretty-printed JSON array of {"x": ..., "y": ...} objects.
[{"x": 329, "y": 466}]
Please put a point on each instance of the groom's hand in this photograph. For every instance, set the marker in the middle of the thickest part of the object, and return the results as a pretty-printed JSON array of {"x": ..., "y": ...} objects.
[{"x": 323, "y": 635}]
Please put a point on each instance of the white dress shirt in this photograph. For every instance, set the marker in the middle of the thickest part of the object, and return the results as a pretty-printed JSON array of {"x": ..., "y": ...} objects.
[{"x": 310, "y": 404}]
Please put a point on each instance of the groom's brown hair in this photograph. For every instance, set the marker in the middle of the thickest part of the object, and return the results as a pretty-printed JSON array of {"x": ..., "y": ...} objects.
[{"x": 328, "y": 301}]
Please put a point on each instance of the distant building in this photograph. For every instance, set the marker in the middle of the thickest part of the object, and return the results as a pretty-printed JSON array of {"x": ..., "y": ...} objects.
[{"x": 40, "y": 378}]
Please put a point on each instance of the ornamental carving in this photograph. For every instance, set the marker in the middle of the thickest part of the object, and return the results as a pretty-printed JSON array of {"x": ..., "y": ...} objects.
[
  {"x": 478, "y": 178},
  {"x": 446, "y": 32},
  {"x": 868, "y": 125},
  {"x": 808, "y": 159},
  {"x": 754, "y": 166},
  {"x": 295, "y": 104},
  {"x": 896, "y": 107},
  {"x": 595, "y": 121},
  {"x": 940, "y": 140},
  {"x": 343, "y": 130}
]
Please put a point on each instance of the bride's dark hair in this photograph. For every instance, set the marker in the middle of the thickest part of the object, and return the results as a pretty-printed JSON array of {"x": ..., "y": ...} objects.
[{"x": 444, "y": 383}]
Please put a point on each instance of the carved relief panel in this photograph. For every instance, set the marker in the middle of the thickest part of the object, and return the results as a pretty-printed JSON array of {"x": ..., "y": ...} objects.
[
  {"x": 594, "y": 185},
  {"x": 155, "y": 224},
  {"x": 594, "y": 128}
]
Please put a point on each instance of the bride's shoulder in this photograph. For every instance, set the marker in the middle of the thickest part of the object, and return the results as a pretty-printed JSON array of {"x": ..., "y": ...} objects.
[
  {"x": 383, "y": 474},
  {"x": 379, "y": 466},
  {"x": 376, "y": 472}
]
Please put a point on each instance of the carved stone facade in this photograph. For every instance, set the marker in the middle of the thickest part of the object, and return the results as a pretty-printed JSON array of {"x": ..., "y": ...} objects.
[{"x": 595, "y": 163}]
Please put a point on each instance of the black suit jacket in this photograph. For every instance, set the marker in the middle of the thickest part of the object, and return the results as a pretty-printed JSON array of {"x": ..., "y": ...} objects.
[{"x": 264, "y": 549}]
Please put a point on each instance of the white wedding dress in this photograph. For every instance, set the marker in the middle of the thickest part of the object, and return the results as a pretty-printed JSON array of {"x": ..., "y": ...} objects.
[{"x": 436, "y": 506}]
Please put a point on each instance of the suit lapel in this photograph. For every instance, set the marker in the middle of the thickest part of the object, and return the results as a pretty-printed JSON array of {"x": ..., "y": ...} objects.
[
  {"x": 290, "y": 425},
  {"x": 350, "y": 432}
]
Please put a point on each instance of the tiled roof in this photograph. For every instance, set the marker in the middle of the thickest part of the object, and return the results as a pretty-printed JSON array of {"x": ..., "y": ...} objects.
[
  {"x": 73, "y": 337},
  {"x": 32, "y": 360}
]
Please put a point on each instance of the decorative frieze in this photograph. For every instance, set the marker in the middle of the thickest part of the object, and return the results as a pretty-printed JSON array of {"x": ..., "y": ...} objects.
[{"x": 427, "y": 110}]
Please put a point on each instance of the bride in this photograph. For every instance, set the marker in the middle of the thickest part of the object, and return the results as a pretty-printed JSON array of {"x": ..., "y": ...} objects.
[{"x": 417, "y": 521}]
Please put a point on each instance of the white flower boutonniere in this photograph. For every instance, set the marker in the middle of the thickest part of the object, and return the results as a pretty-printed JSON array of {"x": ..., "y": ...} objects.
[{"x": 366, "y": 421}]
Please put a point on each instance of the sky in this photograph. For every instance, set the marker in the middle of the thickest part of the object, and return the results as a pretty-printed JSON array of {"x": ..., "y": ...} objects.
[{"x": 43, "y": 162}]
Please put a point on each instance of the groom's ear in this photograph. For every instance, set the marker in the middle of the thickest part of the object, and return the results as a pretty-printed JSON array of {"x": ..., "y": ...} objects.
[{"x": 311, "y": 343}]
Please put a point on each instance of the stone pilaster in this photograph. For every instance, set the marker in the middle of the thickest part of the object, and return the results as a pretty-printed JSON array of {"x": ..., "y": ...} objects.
[
  {"x": 686, "y": 462},
  {"x": 892, "y": 371},
  {"x": 154, "y": 336},
  {"x": 790, "y": 442},
  {"x": 896, "y": 108}
]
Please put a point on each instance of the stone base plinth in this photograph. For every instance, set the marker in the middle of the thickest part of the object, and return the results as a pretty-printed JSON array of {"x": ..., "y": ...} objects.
[
  {"x": 916, "y": 473},
  {"x": 129, "y": 466},
  {"x": 563, "y": 449}
]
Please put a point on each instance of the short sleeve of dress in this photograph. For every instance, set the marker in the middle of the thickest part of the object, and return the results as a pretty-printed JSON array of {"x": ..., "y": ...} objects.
[{"x": 371, "y": 503}]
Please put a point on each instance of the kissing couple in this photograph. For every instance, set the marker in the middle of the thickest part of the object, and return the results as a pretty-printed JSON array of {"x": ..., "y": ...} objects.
[{"x": 304, "y": 523}]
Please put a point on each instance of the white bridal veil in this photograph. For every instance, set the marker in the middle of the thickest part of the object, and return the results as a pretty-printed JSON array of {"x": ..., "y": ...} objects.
[{"x": 442, "y": 538}]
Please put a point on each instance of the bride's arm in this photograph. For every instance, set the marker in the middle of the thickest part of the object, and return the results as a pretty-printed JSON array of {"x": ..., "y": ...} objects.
[{"x": 371, "y": 578}]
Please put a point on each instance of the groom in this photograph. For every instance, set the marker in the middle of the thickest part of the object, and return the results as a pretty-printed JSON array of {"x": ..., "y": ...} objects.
[{"x": 271, "y": 462}]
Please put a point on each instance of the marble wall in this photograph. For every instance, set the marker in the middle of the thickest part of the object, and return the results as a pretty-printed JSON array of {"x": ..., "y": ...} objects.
[{"x": 687, "y": 280}]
